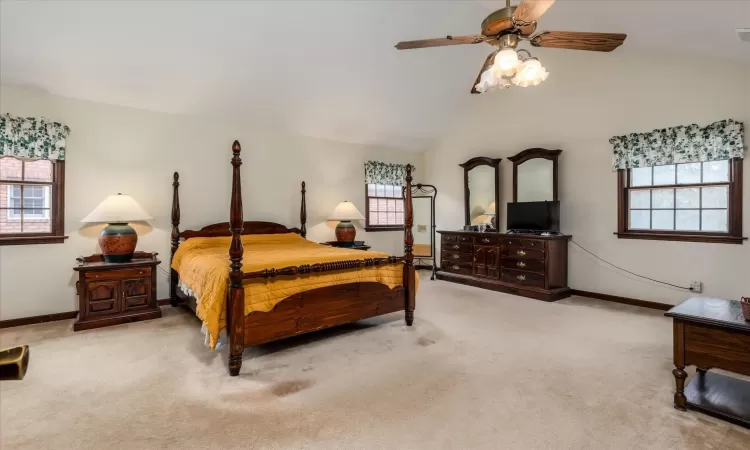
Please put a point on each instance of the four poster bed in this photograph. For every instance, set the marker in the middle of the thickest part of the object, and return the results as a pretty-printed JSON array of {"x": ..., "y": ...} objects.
[{"x": 293, "y": 286}]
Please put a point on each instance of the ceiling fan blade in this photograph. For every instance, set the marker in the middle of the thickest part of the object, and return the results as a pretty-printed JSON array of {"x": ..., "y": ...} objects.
[
  {"x": 596, "y": 42},
  {"x": 441, "y": 42},
  {"x": 487, "y": 64},
  {"x": 531, "y": 10}
]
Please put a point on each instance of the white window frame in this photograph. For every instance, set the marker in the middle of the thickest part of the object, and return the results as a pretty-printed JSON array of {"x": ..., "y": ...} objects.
[{"x": 12, "y": 217}]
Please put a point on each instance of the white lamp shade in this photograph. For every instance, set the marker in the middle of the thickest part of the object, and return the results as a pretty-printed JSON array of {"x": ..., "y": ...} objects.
[
  {"x": 490, "y": 209},
  {"x": 346, "y": 211},
  {"x": 117, "y": 209}
]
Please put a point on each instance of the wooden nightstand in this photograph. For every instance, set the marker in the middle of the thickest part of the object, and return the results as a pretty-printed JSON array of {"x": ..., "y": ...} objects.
[{"x": 116, "y": 293}]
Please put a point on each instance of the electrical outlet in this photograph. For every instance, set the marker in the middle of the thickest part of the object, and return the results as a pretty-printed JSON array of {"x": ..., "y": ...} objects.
[{"x": 696, "y": 287}]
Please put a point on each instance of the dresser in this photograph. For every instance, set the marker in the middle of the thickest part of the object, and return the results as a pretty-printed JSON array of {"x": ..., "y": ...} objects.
[
  {"x": 522, "y": 264},
  {"x": 116, "y": 293}
]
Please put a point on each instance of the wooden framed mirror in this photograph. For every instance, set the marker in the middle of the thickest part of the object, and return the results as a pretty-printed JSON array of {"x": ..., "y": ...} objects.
[
  {"x": 482, "y": 191},
  {"x": 535, "y": 175}
]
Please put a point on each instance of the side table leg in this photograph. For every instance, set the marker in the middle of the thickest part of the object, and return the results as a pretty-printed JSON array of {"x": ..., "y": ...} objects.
[{"x": 679, "y": 396}]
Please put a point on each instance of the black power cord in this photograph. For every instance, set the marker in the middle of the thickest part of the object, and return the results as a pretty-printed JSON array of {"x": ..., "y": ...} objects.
[{"x": 631, "y": 273}]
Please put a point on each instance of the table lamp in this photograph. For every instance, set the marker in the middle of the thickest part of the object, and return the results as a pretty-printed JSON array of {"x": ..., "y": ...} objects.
[
  {"x": 345, "y": 212},
  {"x": 118, "y": 239}
]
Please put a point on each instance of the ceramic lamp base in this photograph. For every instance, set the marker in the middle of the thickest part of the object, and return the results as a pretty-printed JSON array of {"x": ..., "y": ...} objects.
[
  {"x": 117, "y": 241},
  {"x": 345, "y": 233}
]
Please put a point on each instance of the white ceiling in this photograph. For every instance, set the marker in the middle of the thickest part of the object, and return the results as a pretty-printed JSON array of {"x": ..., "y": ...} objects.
[{"x": 318, "y": 68}]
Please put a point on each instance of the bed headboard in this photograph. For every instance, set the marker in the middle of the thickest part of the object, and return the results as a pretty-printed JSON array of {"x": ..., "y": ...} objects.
[{"x": 222, "y": 229}]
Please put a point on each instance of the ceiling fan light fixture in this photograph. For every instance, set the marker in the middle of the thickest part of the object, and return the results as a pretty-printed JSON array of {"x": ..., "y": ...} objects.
[{"x": 531, "y": 73}]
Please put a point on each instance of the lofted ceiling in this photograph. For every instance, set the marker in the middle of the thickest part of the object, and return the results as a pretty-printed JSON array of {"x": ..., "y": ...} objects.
[{"x": 318, "y": 68}]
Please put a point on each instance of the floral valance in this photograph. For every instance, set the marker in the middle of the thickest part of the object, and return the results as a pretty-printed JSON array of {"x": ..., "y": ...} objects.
[
  {"x": 377, "y": 172},
  {"x": 32, "y": 137},
  {"x": 691, "y": 143}
]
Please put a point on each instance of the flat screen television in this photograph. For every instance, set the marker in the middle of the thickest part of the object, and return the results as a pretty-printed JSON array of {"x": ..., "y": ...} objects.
[{"x": 534, "y": 216}]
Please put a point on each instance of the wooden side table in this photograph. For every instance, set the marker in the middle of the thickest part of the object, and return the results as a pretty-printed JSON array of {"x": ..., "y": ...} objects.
[
  {"x": 711, "y": 333},
  {"x": 116, "y": 293},
  {"x": 358, "y": 245}
]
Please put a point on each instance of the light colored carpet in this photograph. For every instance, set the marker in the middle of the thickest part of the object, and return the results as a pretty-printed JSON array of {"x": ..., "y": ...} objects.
[{"x": 478, "y": 370}]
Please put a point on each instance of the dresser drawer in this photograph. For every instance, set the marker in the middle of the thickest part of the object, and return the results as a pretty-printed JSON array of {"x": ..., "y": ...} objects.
[
  {"x": 455, "y": 257},
  {"x": 487, "y": 239},
  {"x": 465, "y": 239},
  {"x": 119, "y": 274},
  {"x": 458, "y": 248},
  {"x": 532, "y": 265},
  {"x": 461, "y": 268},
  {"x": 523, "y": 253},
  {"x": 523, "y": 243},
  {"x": 522, "y": 278},
  {"x": 449, "y": 238}
]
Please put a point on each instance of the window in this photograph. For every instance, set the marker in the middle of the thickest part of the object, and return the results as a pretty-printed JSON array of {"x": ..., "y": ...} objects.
[
  {"x": 31, "y": 201},
  {"x": 385, "y": 207},
  {"x": 691, "y": 201}
]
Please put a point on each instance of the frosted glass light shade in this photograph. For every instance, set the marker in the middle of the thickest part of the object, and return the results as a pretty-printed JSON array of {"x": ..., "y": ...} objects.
[
  {"x": 490, "y": 209},
  {"x": 118, "y": 208},
  {"x": 531, "y": 73},
  {"x": 346, "y": 211},
  {"x": 506, "y": 63}
]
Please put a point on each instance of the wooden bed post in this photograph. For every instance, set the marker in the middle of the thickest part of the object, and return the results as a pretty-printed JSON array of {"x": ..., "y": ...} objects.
[
  {"x": 236, "y": 299},
  {"x": 409, "y": 275},
  {"x": 175, "y": 238},
  {"x": 303, "y": 213}
]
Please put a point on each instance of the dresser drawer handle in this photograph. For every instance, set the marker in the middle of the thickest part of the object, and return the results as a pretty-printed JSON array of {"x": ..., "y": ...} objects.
[
  {"x": 455, "y": 267},
  {"x": 456, "y": 246},
  {"x": 485, "y": 240},
  {"x": 521, "y": 277},
  {"x": 521, "y": 264},
  {"x": 96, "y": 276},
  {"x": 455, "y": 256},
  {"x": 521, "y": 252}
]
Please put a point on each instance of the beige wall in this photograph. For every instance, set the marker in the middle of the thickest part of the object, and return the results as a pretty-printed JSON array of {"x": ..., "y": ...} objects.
[
  {"x": 587, "y": 99},
  {"x": 113, "y": 149}
]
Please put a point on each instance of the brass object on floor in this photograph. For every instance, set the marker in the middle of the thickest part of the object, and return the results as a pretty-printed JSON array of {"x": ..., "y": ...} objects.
[{"x": 14, "y": 362}]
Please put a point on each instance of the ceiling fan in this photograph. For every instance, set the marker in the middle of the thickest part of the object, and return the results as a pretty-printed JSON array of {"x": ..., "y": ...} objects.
[{"x": 504, "y": 29}]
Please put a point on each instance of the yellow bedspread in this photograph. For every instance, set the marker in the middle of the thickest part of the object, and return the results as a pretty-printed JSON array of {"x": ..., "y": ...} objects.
[{"x": 203, "y": 265}]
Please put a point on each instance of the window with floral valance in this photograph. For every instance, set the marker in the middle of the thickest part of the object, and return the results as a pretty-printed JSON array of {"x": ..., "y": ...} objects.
[
  {"x": 384, "y": 203},
  {"x": 32, "y": 177},
  {"x": 32, "y": 137},
  {"x": 684, "y": 144},
  {"x": 681, "y": 183}
]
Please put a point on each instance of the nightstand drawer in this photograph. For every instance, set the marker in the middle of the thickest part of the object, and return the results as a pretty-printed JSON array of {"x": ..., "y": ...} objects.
[
  {"x": 132, "y": 303},
  {"x": 119, "y": 274},
  {"x": 102, "y": 307}
]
